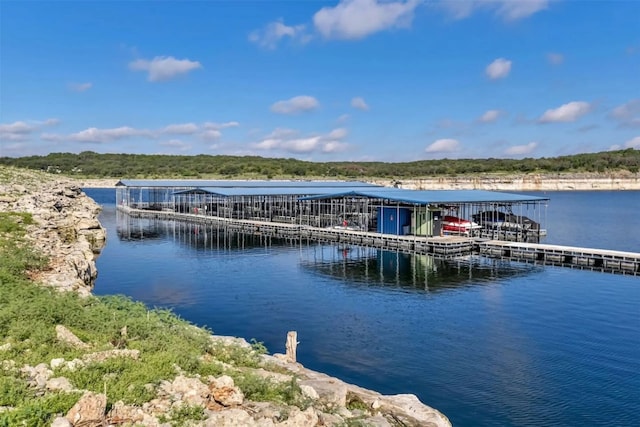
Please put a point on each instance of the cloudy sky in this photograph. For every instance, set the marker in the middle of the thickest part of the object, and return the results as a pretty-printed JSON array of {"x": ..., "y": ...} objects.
[{"x": 393, "y": 80}]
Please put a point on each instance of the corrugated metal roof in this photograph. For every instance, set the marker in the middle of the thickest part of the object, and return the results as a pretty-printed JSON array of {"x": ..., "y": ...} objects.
[
  {"x": 423, "y": 197},
  {"x": 262, "y": 191},
  {"x": 200, "y": 183}
]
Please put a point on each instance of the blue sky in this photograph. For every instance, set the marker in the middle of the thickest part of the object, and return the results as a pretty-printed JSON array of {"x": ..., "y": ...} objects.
[{"x": 395, "y": 80}]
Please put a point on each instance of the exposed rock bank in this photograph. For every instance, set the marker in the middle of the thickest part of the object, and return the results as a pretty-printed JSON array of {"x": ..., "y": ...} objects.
[
  {"x": 524, "y": 182},
  {"x": 67, "y": 230},
  {"x": 69, "y": 233},
  {"x": 496, "y": 182}
]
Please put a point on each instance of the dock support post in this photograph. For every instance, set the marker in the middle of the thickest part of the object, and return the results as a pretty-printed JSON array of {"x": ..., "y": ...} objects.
[{"x": 291, "y": 346}]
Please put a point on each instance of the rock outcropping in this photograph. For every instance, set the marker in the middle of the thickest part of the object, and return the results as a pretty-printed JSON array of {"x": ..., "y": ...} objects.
[
  {"x": 522, "y": 182},
  {"x": 67, "y": 230},
  {"x": 327, "y": 401}
]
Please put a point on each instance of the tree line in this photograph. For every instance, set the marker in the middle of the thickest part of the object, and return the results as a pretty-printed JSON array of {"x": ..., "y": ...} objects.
[{"x": 94, "y": 165}]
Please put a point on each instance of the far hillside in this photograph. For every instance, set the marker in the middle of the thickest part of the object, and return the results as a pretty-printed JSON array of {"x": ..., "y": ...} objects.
[{"x": 93, "y": 165}]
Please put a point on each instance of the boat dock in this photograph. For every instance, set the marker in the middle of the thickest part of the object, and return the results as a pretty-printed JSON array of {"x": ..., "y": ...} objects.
[
  {"x": 563, "y": 256},
  {"x": 440, "y": 246},
  {"x": 443, "y": 246}
]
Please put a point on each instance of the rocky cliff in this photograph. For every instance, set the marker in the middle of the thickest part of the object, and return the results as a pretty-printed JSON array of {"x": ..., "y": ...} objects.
[
  {"x": 524, "y": 182},
  {"x": 67, "y": 230},
  {"x": 497, "y": 182}
]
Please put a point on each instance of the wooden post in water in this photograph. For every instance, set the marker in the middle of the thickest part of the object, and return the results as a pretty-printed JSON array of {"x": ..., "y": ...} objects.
[{"x": 291, "y": 345}]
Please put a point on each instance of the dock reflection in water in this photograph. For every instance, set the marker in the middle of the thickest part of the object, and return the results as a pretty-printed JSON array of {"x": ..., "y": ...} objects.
[
  {"x": 356, "y": 265},
  {"x": 367, "y": 266}
]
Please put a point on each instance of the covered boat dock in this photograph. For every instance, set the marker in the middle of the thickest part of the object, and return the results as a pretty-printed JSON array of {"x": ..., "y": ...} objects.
[{"x": 345, "y": 206}]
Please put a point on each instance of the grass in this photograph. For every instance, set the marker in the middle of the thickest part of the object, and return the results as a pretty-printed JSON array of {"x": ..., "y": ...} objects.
[{"x": 167, "y": 344}]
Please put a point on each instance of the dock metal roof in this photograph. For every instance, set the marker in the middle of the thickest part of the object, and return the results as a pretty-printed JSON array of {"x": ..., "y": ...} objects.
[
  {"x": 421, "y": 197},
  {"x": 261, "y": 191},
  {"x": 202, "y": 183}
]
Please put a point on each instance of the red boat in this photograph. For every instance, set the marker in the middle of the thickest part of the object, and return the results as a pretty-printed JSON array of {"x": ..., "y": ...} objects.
[{"x": 453, "y": 224}]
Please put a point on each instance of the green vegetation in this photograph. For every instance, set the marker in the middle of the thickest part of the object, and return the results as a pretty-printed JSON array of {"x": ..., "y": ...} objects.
[
  {"x": 94, "y": 165},
  {"x": 167, "y": 344},
  {"x": 181, "y": 416}
]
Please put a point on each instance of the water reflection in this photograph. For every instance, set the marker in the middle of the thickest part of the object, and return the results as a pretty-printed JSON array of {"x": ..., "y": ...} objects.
[
  {"x": 196, "y": 236},
  {"x": 367, "y": 266},
  {"x": 352, "y": 264}
]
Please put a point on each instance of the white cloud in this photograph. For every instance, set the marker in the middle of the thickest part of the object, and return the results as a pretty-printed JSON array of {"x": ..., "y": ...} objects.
[
  {"x": 297, "y": 104},
  {"x": 80, "y": 87},
  {"x": 521, "y": 150},
  {"x": 555, "y": 58},
  {"x": 16, "y": 127},
  {"x": 343, "y": 118},
  {"x": 569, "y": 112},
  {"x": 359, "y": 103},
  {"x": 508, "y": 10},
  {"x": 290, "y": 141},
  {"x": 181, "y": 129},
  {"x": 513, "y": 10},
  {"x": 211, "y": 135},
  {"x": 338, "y": 133},
  {"x": 627, "y": 114},
  {"x": 498, "y": 69},
  {"x": 22, "y": 130},
  {"x": 490, "y": 116},
  {"x": 446, "y": 145},
  {"x": 107, "y": 135},
  {"x": 633, "y": 143},
  {"x": 208, "y": 131},
  {"x": 162, "y": 68},
  {"x": 217, "y": 126},
  {"x": 334, "y": 147},
  {"x": 274, "y": 32},
  {"x": 356, "y": 19},
  {"x": 176, "y": 144}
]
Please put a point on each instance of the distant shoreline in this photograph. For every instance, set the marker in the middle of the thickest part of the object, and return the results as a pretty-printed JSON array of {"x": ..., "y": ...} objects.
[{"x": 558, "y": 182}]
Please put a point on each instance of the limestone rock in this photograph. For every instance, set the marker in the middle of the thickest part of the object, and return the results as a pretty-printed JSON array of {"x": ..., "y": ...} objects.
[
  {"x": 298, "y": 418},
  {"x": 376, "y": 421},
  {"x": 332, "y": 392},
  {"x": 66, "y": 336},
  {"x": 230, "y": 418},
  {"x": 59, "y": 383},
  {"x": 230, "y": 341},
  {"x": 89, "y": 411},
  {"x": 412, "y": 412},
  {"x": 121, "y": 413},
  {"x": 101, "y": 356},
  {"x": 61, "y": 422},
  {"x": 57, "y": 363},
  {"x": 276, "y": 377},
  {"x": 189, "y": 390},
  {"x": 227, "y": 396}
]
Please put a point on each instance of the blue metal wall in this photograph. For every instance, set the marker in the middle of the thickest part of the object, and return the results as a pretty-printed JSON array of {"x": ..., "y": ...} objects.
[{"x": 392, "y": 220}]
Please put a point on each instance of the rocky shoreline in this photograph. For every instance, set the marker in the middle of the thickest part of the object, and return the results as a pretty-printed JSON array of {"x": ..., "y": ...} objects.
[
  {"x": 523, "y": 182},
  {"x": 69, "y": 233}
]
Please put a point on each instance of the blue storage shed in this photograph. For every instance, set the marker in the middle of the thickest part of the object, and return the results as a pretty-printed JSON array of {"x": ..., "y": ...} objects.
[{"x": 394, "y": 220}]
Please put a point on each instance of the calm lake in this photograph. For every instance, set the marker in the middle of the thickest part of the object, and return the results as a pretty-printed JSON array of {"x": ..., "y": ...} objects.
[{"x": 487, "y": 342}]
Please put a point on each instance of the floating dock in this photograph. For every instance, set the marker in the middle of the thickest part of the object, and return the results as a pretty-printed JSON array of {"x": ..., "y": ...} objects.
[
  {"x": 563, "y": 256},
  {"x": 441, "y": 246}
]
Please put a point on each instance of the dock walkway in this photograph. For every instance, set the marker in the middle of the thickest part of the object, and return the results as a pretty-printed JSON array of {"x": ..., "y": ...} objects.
[
  {"x": 565, "y": 256},
  {"x": 441, "y": 246}
]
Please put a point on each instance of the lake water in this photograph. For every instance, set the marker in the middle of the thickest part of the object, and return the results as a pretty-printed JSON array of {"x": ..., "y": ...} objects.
[{"x": 487, "y": 342}]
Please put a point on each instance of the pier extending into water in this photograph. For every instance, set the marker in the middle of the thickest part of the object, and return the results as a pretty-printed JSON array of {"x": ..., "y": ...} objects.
[
  {"x": 440, "y": 246},
  {"x": 564, "y": 256}
]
